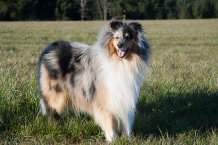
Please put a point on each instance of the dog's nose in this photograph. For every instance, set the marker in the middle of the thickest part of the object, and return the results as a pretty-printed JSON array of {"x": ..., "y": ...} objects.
[{"x": 120, "y": 45}]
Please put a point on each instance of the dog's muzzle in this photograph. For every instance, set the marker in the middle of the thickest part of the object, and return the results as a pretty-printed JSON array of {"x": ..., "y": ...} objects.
[{"x": 122, "y": 50}]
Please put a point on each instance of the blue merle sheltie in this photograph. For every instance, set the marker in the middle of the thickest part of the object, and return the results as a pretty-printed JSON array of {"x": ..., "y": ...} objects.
[{"x": 103, "y": 80}]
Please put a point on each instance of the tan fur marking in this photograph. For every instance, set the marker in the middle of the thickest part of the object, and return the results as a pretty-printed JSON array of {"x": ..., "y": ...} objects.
[
  {"x": 107, "y": 121},
  {"x": 56, "y": 100},
  {"x": 112, "y": 49},
  {"x": 101, "y": 98},
  {"x": 45, "y": 79},
  {"x": 126, "y": 34},
  {"x": 78, "y": 102},
  {"x": 102, "y": 114}
]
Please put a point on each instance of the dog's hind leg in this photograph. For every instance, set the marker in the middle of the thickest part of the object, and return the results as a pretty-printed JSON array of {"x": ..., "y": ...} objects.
[
  {"x": 54, "y": 98},
  {"x": 56, "y": 102},
  {"x": 44, "y": 108}
]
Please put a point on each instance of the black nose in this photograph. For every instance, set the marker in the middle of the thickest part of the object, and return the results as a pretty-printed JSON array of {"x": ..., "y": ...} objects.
[{"x": 120, "y": 45}]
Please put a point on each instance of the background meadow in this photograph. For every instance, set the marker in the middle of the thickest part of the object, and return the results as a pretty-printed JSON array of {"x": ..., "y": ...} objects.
[{"x": 178, "y": 103}]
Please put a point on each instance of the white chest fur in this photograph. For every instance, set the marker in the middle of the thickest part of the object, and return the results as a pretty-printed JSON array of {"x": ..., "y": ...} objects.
[{"x": 123, "y": 79}]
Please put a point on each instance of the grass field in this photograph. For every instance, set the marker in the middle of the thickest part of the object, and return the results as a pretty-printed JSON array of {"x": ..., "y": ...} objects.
[{"x": 178, "y": 103}]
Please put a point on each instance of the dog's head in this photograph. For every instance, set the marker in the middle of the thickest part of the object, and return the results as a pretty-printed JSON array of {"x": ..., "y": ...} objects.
[{"x": 124, "y": 39}]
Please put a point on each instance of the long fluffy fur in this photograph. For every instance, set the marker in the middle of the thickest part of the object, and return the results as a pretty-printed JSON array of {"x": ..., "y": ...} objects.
[{"x": 91, "y": 80}]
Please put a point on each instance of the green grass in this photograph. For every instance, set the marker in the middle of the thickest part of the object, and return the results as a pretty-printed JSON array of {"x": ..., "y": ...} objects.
[{"x": 178, "y": 103}]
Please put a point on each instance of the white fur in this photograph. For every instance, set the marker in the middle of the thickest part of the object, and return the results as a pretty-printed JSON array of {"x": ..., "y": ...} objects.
[
  {"x": 123, "y": 80},
  {"x": 43, "y": 107}
]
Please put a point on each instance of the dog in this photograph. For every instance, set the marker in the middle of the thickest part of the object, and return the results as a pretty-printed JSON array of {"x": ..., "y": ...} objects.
[{"x": 102, "y": 80}]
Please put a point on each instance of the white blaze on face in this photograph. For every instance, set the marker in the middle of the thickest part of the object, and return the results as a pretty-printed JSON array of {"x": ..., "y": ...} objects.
[{"x": 118, "y": 36}]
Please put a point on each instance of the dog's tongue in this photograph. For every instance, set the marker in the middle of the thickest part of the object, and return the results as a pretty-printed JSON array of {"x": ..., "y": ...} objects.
[{"x": 121, "y": 53}]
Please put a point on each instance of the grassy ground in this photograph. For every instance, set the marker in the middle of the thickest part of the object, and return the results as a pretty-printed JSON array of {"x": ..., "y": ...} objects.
[{"x": 178, "y": 103}]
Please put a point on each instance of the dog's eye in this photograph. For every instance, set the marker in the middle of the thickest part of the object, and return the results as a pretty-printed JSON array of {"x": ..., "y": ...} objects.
[{"x": 117, "y": 37}]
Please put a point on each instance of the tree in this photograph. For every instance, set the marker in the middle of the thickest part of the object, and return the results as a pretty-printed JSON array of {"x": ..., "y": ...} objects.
[
  {"x": 82, "y": 8},
  {"x": 26, "y": 9},
  {"x": 67, "y": 10},
  {"x": 216, "y": 9},
  {"x": 204, "y": 9},
  {"x": 184, "y": 9},
  {"x": 4, "y": 10},
  {"x": 45, "y": 9},
  {"x": 171, "y": 8},
  {"x": 102, "y": 6},
  {"x": 105, "y": 9}
]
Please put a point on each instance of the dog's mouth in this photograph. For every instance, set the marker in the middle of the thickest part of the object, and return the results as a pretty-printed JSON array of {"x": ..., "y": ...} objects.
[{"x": 122, "y": 53}]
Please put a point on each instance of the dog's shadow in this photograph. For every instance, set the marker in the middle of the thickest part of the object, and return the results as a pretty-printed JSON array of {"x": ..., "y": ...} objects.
[{"x": 174, "y": 113}]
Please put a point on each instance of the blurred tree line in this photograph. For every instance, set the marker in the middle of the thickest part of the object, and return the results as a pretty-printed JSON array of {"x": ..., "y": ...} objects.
[{"x": 106, "y": 9}]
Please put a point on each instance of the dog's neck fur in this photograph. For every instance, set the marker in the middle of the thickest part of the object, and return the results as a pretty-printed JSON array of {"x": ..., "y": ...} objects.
[{"x": 122, "y": 79}]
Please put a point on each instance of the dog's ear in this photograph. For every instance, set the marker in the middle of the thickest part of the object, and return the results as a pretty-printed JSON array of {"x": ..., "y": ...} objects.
[
  {"x": 114, "y": 24},
  {"x": 136, "y": 26}
]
